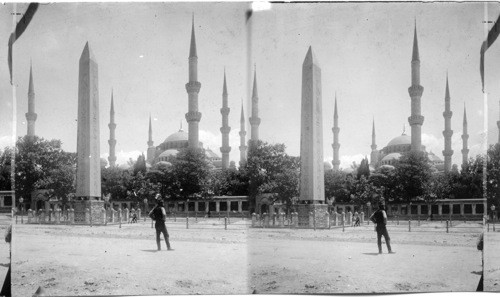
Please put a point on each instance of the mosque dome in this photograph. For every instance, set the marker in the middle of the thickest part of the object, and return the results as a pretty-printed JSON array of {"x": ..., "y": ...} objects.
[
  {"x": 391, "y": 157},
  {"x": 433, "y": 158},
  {"x": 400, "y": 140},
  {"x": 327, "y": 166},
  {"x": 181, "y": 135}
]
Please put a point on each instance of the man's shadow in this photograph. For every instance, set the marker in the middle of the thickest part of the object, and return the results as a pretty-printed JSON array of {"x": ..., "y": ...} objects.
[{"x": 371, "y": 254}]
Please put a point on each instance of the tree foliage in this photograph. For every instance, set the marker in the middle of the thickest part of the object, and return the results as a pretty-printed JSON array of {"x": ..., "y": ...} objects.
[
  {"x": 42, "y": 164},
  {"x": 5, "y": 169},
  {"x": 412, "y": 173}
]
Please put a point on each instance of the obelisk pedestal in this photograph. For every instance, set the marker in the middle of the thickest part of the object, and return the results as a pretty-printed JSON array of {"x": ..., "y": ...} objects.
[
  {"x": 88, "y": 171},
  {"x": 311, "y": 207}
]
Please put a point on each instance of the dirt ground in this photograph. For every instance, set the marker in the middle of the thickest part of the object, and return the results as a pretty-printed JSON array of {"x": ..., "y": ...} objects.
[
  {"x": 492, "y": 261},
  {"x": 108, "y": 260}
]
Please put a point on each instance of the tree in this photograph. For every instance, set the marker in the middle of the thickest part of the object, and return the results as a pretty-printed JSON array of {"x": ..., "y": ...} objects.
[
  {"x": 42, "y": 164},
  {"x": 363, "y": 169},
  {"x": 493, "y": 174},
  {"x": 115, "y": 182},
  {"x": 384, "y": 179},
  {"x": 190, "y": 173},
  {"x": 338, "y": 186},
  {"x": 412, "y": 174},
  {"x": 5, "y": 169},
  {"x": 229, "y": 182},
  {"x": 140, "y": 165},
  {"x": 271, "y": 170}
]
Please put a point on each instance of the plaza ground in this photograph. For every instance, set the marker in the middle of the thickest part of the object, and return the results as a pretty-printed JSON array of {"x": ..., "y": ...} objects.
[
  {"x": 492, "y": 260},
  {"x": 108, "y": 260},
  {"x": 5, "y": 221}
]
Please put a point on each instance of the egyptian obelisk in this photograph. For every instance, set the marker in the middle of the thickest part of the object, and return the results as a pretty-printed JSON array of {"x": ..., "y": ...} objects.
[
  {"x": 88, "y": 171},
  {"x": 312, "y": 183}
]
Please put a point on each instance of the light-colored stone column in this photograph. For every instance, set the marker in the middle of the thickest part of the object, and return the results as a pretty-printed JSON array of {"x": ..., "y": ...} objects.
[
  {"x": 254, "y": 219},
  {"x": 474, "y": 209},
  {"x": 217, "y": 206},
  {"x": 440, "y": 209},
  {"x": 462, "y": 211},
  {"x": 362, "y": 218},
  {"x": 240, "y": 208},
  {"x": 349, "y": 218},
  {"x": 419, "y": 209},
  {"x": 87, "y": 216}
]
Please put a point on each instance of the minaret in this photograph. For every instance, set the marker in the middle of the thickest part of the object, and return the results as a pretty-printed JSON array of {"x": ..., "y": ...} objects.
[
  {"x": 112, "y": 140},
  {"x": 374, "y": 153},
  {"x": 498, "y": 124},
  {"x": 243, "y": 133},
  {"x": 225, "y": 129},
  {"x": 254, "y": 119},
  {"x": 150, "y": 155},
  {"x": 465, "y": 137},
  {"x": 336, "y": 144},
  {"x": 31, "y": 115},
  {"x": 415, "y": 90},
  {"x": 447, "y": 133},
  {"x": 193, "y": 116}
]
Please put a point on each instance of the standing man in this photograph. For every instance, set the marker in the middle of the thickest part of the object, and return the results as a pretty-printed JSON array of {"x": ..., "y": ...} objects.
[
  {"x": 159, "y": 215},
  {"x": 379, "y": 218}
]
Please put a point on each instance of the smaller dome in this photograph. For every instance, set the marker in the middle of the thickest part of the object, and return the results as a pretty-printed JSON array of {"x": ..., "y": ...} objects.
[
  {"x": 210, "y": 154},
  {"x": 433, "y": 158},
  {"x": 124, "y": 166},
  {"x": 400, "y": 140},
  {"x": 327, "y": 165},
  {"x": 390, "y": 167},
  {"x": 168, "y": 153},
  {"x": 348, "y": 170},
  {"x": 162, "y": 164},
  {"x": 177, "y": 136},
  {"x": 391, "y": 156}
]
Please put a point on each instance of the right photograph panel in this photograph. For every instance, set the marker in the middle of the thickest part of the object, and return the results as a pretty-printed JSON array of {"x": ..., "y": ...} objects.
[{"x": 374, "y": 156}]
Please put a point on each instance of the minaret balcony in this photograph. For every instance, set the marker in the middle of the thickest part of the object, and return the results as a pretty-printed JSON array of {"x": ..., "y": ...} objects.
[
  {"x": 335, "y": 129},
  {"x": 193, "y": 116},
  {"x": 225, "y": 130},
  {"x": 336, "y": 146},
  {"x": 193, "y": 87},
  {"x": 243, "y": 133},
  {"x": 112, "y": 142},
  {"x": 254, "y": 121},
  {"x": 31, "y": 116},
  {"x": 336, "y": 162},
  {"x": 373, "y": 147},
  {"x": 465, "y": 137},
  {"x": 416, "y": 120},
  {"x": 225, "y": 150},
  {"x": 112, "y": 126},
  {"x": 465, "y": 151},
  {"x": 225, "y": 111},
  {"x": 447, "y": 114},
  {"x": 447, "y": 153},
  {"x": 243, "y": 147},
  {"x": 447, "y": 133},
  {"x": 415, "y": 91}
]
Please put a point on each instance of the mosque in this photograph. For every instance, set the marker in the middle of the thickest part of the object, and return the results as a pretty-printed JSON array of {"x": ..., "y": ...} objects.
[
  {"x": 387, "y": 156},
  {"x": 399, "y": 145}
]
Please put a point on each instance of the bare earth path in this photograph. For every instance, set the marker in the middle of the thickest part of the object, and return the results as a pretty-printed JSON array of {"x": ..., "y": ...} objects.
[
  {"x": 492, "y": 261},
  {"x": 78, "y": 260},
  {"x": 347, "y": 262},
  {"x": 107, "y": 260}
]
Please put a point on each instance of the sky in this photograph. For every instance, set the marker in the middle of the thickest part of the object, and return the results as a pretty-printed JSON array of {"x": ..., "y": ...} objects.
[{"x": 364, "y": 51}]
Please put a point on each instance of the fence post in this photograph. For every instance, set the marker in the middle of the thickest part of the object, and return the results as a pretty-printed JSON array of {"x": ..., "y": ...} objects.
[
  {"x": 418, "y": 220},
  {"x": 397, "y": 219},
  {"x": 343, "y": 225},
  {"x": 120, "y": 216},
  {"x": 196, "y": 217},
  {"x": 493, "y": 226},
  {"x": 447, "y": 223},
  {"x": 175, "y": 217},
  {"x": 314, "y": 220},
  {"x": 409, "y": 225},
  {"x": 187, "y": 223},
  {"x": 225, "y": 223},
  {"x": 219, "y": 215},
  {"x": 488, "y": 227}
]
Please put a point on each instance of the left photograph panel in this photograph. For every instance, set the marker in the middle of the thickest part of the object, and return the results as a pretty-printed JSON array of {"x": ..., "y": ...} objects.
[{"x": 117, "y": 129}]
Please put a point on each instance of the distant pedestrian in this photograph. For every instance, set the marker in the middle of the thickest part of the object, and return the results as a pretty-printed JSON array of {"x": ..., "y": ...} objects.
[
  {"x": 379, "y": 217},
  {"x": 159, "y": 215}
]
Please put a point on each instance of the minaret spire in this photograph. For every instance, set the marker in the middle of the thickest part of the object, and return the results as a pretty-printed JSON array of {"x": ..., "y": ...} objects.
[
  {"x": 150, "y": 154},
  {"x": 415, "y": 90},
  {"x": 465, "y": 137},
  {"x": 225, "y": 129},
  {"x": 254, "y": 119},
  {"x": 31, "y": 115},
  {"x": 336, "y": 144},
  {"x": 447, "y": 133},
  {"x": 374, "y": 153},
  {"x": 112, "y": 140},
  {"x": 193, "y": 116},
  {"x": 243, "y": 133}
]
